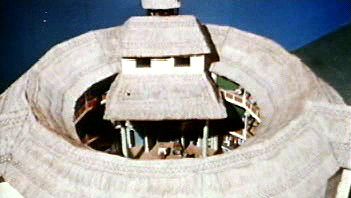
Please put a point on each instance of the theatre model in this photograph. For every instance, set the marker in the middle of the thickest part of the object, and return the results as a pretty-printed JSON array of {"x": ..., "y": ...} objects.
[{"x": 165, "y": 106}]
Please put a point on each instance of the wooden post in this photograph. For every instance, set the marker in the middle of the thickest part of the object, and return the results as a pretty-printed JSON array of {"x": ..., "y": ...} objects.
[
  {"x": 85, "y": 101},
  {"x": 146, "y": 144},
  {"x": 199, "y": 142},
  {"x": 246, "y": 114},
  {"x": 204, "y": 140},
  {"x": 182, "y": 141},
  {"x": 244, "y": 98},
  {"x": 215, "y": 143},
  {"x": 124, "y": 141},
  {"x": 211, "y": 142},
  {"x": 214, "y": 77},
  {"x": 129, "y": 140}
]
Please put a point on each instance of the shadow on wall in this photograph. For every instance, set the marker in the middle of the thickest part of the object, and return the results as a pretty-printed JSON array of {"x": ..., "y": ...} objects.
[{"x": 330, "y": 59}]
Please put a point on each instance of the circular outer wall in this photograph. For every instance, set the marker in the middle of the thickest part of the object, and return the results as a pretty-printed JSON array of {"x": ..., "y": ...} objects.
[{"x": 290, "y": 156}]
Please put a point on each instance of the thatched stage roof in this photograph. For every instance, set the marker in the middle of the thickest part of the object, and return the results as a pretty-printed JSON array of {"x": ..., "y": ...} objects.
[
  {"x": 163, "y": 97},
  {"x": 166, "y": 36}
]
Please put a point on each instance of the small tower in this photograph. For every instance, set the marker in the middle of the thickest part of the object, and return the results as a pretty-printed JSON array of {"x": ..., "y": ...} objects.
[
  {"x": 163, "y": 75},
  {"x": 163, "y": 45},
  {"x": 161, "y": 7}
]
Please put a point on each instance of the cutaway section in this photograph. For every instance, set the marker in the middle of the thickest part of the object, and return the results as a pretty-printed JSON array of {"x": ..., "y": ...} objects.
[
  {"x": 93, "y": 131},
  {"x": 167, "y": 139}
]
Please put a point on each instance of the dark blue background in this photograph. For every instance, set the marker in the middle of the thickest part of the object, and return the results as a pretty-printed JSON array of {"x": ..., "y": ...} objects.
[{"x": 30, "y": 27}]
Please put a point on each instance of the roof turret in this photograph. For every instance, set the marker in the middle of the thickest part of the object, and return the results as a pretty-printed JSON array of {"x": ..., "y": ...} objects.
[
  {"x": 163, "y": 37},
  {"x": 160, "y": 4}
]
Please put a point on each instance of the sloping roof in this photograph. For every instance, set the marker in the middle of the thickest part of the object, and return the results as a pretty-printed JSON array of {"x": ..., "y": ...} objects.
[
  {"x": 160, "y": 4},
  {"x": 156, "y": 36},
  {"x": 163, "y": 97},
  {"x": 294, "y": 138}
]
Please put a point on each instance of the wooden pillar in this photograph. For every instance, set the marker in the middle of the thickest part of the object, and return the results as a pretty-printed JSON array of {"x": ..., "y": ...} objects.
[
  {"x": 146, "y": 144},
  {"x": 199, "y": 142},
  {"x": 182, "y": 141},
  {"x": 129, "y": 141},
  {"x": 244, "y": 98},
  {"x": 214, "y": 77},
  {"x": 204, "y": 140},
  {"x": 123, "y": 139},
  {"x": 215, "y": 143},
  {"x": 129, "y": 128}
]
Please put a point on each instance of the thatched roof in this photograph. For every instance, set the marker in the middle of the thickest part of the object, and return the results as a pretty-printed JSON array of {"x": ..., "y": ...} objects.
[
  {"x": 156, "y": 36},
  {"x": 160, "y": 4},
  {"x": 305, "y": 130},
  {"x": 163, "y": 97}
]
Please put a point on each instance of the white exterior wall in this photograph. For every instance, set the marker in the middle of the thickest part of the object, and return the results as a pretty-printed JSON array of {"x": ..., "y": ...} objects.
[
  {"x": 197, "y": 63},
  {"x": 128, "y": 65},
  {"x": 164, "y": 66},
  {"x": 161, "y": 66}
]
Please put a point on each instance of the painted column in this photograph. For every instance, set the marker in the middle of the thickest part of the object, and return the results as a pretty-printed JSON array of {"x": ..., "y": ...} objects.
[
  {"x": 124, "y": 141},
  {"x": 199, "y": 142},
  {"x": 182, "y": 141},
  {"x": 214, "y": 77},
  {"x": 129, "y": 128},
  {"x": 204, "y": 140},
  {"x": 129, "y": 141},
  {"x": 146, "y": 144},
  {"x": 215, "y": 143}
]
